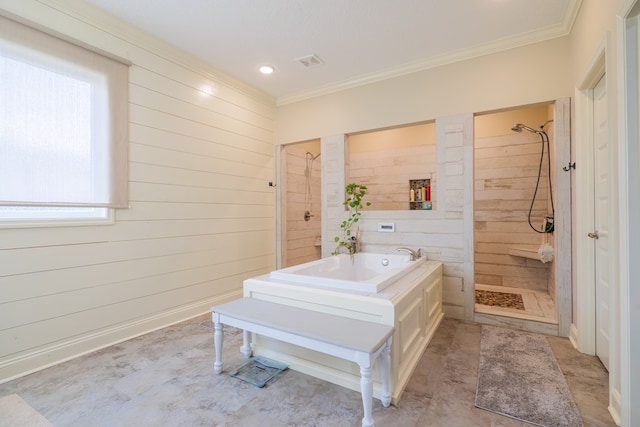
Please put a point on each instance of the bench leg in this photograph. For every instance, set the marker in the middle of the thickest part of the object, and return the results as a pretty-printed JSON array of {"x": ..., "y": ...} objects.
[
  {"x": 366, "y": 389},
  {"x": 217, "y": 342},
  {"x": 246, "y": 344},
  {"x": 385, "y": 368}
]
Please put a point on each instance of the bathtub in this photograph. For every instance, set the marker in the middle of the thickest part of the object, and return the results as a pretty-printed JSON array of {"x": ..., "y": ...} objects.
[
  {"x": 411, "y": 302},
  {"x": 366, "y": 272}
]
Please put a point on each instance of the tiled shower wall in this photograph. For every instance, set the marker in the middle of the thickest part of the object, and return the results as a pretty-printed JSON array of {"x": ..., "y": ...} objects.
[
  {"x": 303, "y": 242},
  {"x": 506, "y": 170},
  {"x": 386, "y": 173}
]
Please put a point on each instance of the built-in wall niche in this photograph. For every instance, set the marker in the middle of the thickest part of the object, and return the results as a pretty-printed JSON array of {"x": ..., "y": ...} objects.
[
  {"x": 420, "y": 194},
  {"x": 386, "y": 160}
]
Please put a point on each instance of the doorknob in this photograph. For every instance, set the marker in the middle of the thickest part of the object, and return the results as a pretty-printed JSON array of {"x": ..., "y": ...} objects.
[{"x": 593, "y": 235}]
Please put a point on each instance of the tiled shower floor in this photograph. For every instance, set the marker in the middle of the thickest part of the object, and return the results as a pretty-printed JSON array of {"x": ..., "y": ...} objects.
[{"x": 538, "y": 306}]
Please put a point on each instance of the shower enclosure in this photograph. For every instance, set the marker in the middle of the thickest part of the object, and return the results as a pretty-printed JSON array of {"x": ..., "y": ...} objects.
[
  {"x": 514, "y": 218},
  {"x": 300, "y": 202}
]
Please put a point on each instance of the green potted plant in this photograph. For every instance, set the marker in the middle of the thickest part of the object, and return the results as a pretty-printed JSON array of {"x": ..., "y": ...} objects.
[{"x": 348, "y": 241}]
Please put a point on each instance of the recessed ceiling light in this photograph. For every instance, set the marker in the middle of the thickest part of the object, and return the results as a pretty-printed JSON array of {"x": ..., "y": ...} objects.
[{"x": 266, "y": 69}]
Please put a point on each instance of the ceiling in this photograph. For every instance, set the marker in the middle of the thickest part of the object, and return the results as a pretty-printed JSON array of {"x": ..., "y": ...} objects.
[{"x": 358, "y": 41}]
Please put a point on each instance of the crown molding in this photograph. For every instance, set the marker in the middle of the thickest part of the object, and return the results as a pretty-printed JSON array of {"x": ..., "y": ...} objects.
[
  {"x": 554, "y": 31},
  {"x": 570, "y": 14},
  {"x": 104, "y": 21}
]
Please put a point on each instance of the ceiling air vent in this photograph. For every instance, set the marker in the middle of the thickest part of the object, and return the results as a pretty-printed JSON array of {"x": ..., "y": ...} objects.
[{"x": 310, "y": 61}]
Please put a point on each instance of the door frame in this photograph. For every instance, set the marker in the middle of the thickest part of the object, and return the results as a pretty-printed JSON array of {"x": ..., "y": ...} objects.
[
  {"x": 583, "y": 333},
  {"x": 603, "y": 224},
  {"x": 583, "y": 330},
  {"x": 629, "y": 162},
  {"x": 280, "y": 187}
]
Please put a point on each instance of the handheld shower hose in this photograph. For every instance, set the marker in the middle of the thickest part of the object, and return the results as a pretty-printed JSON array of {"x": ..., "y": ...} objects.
[{"x": 548, "y": 226}]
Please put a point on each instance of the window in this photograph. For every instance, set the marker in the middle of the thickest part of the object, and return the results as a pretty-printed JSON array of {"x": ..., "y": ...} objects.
[{"x": 63, "y": 128}]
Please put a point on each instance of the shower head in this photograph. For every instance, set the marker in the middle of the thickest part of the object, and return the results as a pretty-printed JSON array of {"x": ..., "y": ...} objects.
[{"x": 519, "y": 126}]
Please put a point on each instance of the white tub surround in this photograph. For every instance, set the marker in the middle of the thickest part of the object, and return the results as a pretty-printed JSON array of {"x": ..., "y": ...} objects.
[
  {"x": 412, "y": 304},
  {"x": 364, "y": 272}
]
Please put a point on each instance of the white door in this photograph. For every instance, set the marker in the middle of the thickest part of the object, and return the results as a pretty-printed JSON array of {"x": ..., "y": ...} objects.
[{"x": 600, "y": 233}]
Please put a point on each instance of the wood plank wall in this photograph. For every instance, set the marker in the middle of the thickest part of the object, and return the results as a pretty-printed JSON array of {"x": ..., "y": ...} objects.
[
  {"x": 386, "y": 159},
  {"x": 386, "y": 173},
  {"x": 201, "y": 220}
]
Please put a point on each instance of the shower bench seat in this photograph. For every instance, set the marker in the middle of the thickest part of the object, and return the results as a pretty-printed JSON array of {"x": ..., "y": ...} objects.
[{"x": 351, "y": 339}]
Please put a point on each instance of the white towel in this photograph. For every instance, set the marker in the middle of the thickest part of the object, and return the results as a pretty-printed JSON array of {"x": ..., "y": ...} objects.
[{"x": 546, "y": 252}]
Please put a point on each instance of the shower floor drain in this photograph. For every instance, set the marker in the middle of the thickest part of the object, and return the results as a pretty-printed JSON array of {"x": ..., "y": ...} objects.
[{"x": 500, "y": 299}]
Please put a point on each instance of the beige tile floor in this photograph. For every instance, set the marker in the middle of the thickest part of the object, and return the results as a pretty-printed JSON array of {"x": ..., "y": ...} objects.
[{"x": 165, "y": 378}]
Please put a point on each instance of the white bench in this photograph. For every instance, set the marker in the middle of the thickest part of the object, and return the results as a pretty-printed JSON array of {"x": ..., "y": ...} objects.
[{"x": 351, "y": 339}]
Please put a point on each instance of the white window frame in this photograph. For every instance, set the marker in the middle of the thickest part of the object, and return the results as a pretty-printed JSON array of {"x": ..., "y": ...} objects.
[
  {"x": 94, "y": 211},
  {"x": 47, "y": 216}
]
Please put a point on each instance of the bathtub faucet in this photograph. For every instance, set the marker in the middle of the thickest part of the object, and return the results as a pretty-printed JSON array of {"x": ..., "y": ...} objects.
[
  {"x": 353, "y": 245},
  {"x": 414, "y": 254}
]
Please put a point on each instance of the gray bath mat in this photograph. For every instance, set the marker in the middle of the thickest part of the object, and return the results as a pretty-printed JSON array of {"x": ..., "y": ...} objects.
[
  {"x": 519, "y": 377},
  {"x": 259, "y": 371}
]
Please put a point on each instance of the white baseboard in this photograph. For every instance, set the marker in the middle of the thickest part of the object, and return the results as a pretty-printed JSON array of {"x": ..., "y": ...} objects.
[
  {"x": 615, "y": 406},
  {"x": 573, "y": 336},
  {"x": 42, "y": 358}
]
